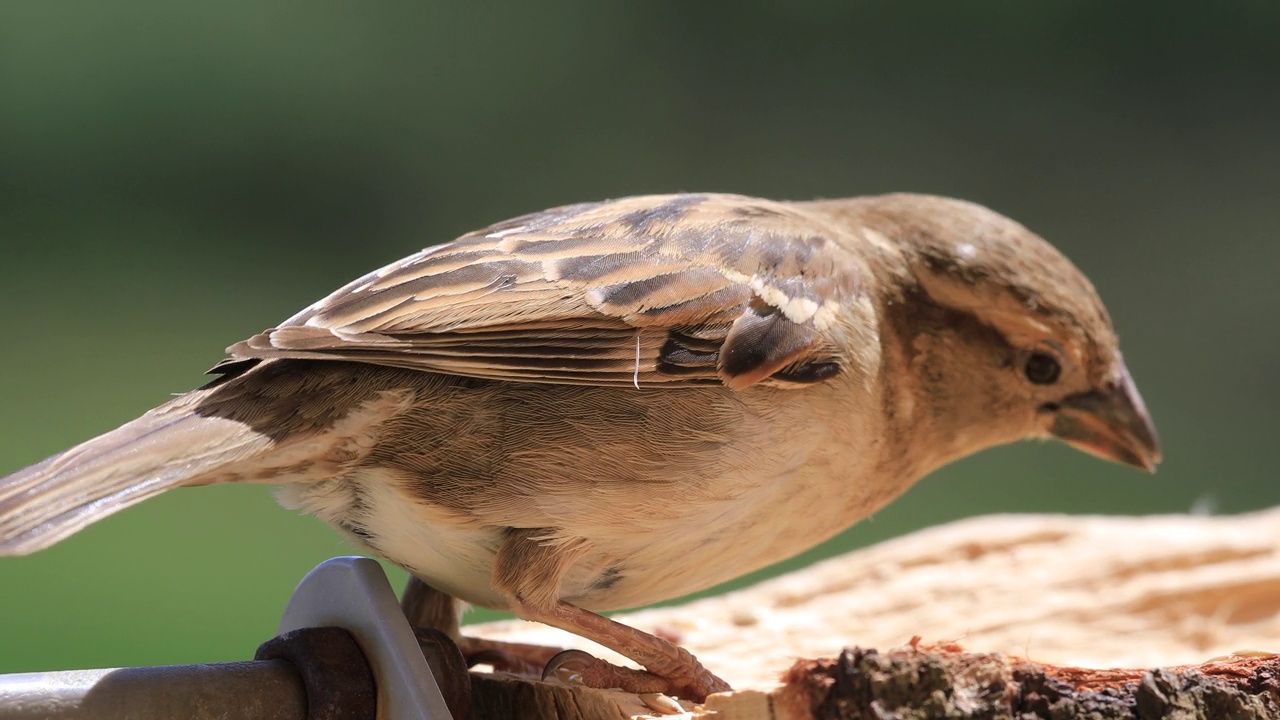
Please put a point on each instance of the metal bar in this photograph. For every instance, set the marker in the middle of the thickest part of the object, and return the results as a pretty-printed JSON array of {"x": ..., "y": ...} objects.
[
  {"x": 345, "y": 650},
  {"x": 257, "y": 690}
]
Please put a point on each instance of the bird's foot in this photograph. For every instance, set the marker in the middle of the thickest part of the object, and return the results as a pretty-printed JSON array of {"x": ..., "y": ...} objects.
[
  {"x": 514, "y": 658},
  {"x": 576, "y": 666},
  {"x": 428, "y": 608}
]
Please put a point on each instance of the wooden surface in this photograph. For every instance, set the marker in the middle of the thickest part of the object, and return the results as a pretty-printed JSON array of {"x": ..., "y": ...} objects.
[{"x": 1058, "y": 591}]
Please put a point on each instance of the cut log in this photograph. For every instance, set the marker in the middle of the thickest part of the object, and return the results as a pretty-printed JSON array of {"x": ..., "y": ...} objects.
[{"x": 1032, "y": 598}]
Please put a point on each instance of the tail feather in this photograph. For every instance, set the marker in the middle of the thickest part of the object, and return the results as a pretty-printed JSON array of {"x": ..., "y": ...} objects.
[{"x": 166, "y": 448}]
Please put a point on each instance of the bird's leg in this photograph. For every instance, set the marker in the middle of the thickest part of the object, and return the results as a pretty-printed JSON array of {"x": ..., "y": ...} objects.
[
  {"x": 427, "y": 608},
  {"x": 529, "y": 571},
  {"x": 678, "y": 670}
]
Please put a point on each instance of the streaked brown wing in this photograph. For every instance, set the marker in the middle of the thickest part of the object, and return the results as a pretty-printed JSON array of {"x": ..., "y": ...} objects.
[{"x": 670, "y": 290}]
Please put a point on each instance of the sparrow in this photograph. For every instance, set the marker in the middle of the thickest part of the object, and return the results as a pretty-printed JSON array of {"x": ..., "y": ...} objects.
[{"x": 611, "y": 404}]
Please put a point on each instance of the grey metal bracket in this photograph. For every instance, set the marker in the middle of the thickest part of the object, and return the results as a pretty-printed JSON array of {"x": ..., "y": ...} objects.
[{"x": 353, "y": 593}]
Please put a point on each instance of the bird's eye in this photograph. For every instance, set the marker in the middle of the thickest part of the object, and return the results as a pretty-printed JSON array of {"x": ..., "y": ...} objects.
[{"x": 1042, "y": 368}]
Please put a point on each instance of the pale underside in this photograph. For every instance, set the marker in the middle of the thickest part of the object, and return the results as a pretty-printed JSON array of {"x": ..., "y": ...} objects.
[{"x": 654, "y": 498}]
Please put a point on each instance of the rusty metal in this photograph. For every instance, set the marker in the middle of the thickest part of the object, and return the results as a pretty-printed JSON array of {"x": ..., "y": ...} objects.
[
  {"x": 338, "y": 683},
  {"x": 449, "y": 668},
  {"x": 436, "y": 619}
]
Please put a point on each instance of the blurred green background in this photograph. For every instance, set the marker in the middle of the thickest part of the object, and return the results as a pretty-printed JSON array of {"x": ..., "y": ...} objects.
[{"x": 176, "y": 177}]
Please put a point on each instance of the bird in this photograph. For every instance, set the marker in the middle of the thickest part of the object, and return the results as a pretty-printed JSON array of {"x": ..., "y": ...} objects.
[{"x": 609, "y": 404}]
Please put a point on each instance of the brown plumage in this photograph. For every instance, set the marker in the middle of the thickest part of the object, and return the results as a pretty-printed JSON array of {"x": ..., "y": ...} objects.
[{"x": 610, "y": 404}]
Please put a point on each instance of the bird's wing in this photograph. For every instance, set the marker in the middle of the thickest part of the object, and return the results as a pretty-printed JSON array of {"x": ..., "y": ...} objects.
[{"x": 660, "y": 290}]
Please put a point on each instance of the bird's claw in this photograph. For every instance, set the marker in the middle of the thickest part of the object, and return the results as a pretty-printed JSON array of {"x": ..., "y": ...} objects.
[
  {"x": 502, "y": 661},
  {"x": 578, "y": 667}
]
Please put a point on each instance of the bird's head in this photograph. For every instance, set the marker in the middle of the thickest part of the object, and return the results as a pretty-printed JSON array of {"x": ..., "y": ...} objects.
[{"x": 1004, "y": 337}]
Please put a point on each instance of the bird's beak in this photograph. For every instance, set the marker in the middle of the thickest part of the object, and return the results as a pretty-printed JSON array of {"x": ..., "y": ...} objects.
[{"x": 1112, "y": 424}]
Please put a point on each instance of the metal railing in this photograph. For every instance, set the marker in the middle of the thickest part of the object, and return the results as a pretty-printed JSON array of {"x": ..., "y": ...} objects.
[{"x": 345, "y": 652}]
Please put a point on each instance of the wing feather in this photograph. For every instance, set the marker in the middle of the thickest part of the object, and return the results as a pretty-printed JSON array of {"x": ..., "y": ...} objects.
[{"x": 662, "y": 290}]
